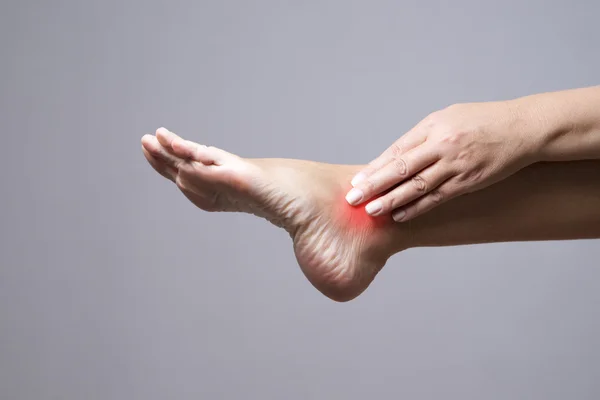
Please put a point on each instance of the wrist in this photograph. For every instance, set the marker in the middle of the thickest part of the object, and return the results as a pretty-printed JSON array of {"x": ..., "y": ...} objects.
[{"x": 538, "y": 122}]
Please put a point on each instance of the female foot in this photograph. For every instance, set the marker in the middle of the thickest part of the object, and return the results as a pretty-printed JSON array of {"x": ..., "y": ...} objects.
[{"x": 339, "y": 248}]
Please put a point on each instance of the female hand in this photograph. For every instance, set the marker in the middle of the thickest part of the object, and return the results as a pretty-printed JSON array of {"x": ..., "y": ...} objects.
[{"x": 460, "y": 149}]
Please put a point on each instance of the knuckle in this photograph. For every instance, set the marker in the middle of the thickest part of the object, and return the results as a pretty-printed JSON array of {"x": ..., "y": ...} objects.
[
  {"x": 396, "y": 150},
  {"x": 471, "y": 176},
  {"x": 462, "y": 179},
  {"x": 400, "y": 166},
  {"x": 419, "y": 183},
  {"x": 437, "y": 196},
  {"x": 453, "y": 137},
  {"x": 438, "y": 118},
  {"x": 432, "y": 119},
  {"x": 464, "y": 155}
]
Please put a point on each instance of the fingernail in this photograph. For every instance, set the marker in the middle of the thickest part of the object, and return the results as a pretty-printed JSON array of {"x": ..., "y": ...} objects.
[
  {"x": 374, "y": 208},
  {"x": 354, "y": 196},
  {"x": 358, "y": 178},
  {"x": 399, "y": 215}
]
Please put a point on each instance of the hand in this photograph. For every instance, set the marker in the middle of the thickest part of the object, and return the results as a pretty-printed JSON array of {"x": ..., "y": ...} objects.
[{"x": 460, "y": 149}]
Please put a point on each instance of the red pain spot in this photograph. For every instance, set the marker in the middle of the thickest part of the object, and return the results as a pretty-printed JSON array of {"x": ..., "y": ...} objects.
[{"x": 356, "y": 217}]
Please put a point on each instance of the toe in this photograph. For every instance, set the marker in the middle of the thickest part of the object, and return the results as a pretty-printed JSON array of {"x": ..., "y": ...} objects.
[
  {"x": 165, "y": 137},
  {"x": 197, "y": 152},
  {"x": 159, "y": 152},
  {"x": 206, "y": 155},
  {"x": 190, "y": 150},
  {"x": 160, "y": 167}
]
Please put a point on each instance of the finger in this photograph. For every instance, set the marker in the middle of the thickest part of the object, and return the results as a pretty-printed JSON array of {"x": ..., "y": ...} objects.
[
  {"x": 157, "y": 151},
  {"x": 413, "y": 138},
  {"x": 160, "y": 167},
  {"x": 410, "y": 190},
  {"x": 437, "y": 196},
  {"x": 395, "y": 171}
]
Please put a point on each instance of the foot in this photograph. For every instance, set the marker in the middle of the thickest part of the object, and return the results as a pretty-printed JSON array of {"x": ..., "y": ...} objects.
[{"x": 339, "y": 247}]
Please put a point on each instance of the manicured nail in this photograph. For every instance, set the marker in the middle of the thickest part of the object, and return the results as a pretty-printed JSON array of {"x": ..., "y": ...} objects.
[
  {"x": 354, "y": 196},
  {"x": 399, "y": 215},
  {"x": 374, "y": 207},
  {"x": 358, "y": 178}
]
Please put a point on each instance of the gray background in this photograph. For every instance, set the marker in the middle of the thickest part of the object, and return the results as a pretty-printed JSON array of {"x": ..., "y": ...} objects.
[{"x": 112, "y": 286}]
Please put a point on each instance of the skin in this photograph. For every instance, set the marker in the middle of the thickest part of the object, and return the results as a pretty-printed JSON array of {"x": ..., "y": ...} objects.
[
  {"x": 468, "y": 147},
  {"x": 341, "y": 249}
]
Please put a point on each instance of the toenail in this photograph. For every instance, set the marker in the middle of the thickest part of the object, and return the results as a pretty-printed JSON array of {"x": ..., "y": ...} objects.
[
  {"x": 399, "y": 215},
  {"x": 374, "y": 208},
  {"x": 354, "y": 196}
]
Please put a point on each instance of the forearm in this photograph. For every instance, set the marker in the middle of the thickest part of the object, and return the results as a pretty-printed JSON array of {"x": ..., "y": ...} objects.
[
  {"x": 564, "y": 125},
  {"x": 546, "y": 201}
]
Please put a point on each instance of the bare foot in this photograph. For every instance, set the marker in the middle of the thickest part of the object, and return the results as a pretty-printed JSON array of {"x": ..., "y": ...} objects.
[{"x": 339, "y": 248}]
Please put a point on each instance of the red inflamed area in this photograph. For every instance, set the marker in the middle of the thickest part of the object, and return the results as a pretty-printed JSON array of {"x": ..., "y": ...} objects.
[{"x": 355, "y": 217}]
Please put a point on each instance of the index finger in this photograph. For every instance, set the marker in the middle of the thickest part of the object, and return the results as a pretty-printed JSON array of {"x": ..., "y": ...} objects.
[
  {"x": 394, "y": 172},
  {"x": 405, "y": 143}
]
